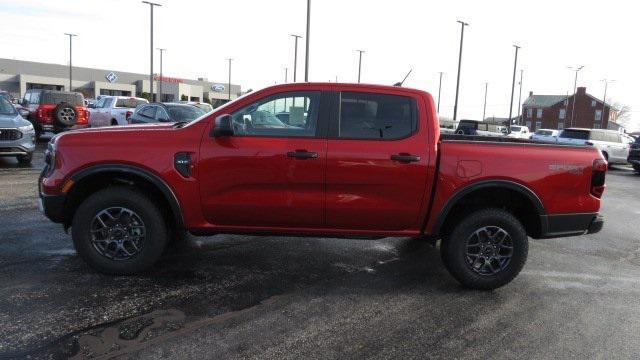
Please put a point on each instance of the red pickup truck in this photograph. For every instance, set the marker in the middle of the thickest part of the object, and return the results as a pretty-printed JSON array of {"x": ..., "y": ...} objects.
[{"x": 325, "y": 159}]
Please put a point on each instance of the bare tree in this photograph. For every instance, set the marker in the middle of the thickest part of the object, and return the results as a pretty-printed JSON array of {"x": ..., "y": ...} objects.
[{"x": 623, "y": 111}]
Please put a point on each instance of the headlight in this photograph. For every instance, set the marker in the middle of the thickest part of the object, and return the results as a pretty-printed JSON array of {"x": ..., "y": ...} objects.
[
  {"x": 26, "y": 128},
  {"x": 50, "y": 159}
]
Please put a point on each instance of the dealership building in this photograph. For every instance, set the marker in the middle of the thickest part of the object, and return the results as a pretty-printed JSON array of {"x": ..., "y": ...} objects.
[{"x": 17, "y": 76}]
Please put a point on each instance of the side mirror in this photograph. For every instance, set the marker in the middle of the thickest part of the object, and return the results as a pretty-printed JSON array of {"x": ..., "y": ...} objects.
[
  {"x": 23, "y": 112},
  {"x": 223, "y": 126}
]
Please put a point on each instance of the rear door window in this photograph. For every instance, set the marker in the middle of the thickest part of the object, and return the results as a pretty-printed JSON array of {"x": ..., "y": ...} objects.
[
  {"x": 148, "y": 112},
  {"x": 598, "y": 136},
  {"x": 35, "y": 98},
  {"x": 611, "y": 137},
  {"x": 371, "y": 116},
  {"x": 575, "y": 134}
]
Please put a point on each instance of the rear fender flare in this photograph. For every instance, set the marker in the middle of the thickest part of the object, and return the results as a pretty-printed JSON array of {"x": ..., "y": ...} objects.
[{"x": 505, "y": 184}]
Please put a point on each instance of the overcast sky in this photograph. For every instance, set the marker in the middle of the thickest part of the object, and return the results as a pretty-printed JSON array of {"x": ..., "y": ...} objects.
[{"x": 397, "y": 36}]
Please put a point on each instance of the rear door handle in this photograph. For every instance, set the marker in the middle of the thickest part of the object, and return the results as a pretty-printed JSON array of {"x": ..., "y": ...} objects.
[
  {"x": 302, "y": 154},
  {"x": 405, "y": 158}
]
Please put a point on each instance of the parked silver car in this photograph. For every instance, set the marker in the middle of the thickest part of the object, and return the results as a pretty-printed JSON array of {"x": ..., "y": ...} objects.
[{"x": 17, "y": 136}]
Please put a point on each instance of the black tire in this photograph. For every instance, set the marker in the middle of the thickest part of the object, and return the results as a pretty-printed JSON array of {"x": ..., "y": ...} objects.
[
  {"x": 151, "y": 245},
  {"x": 114, "y": 122},
  {"x": 454, "y": 250},
  {"x": 65, "y": 115},
  {"x": 636, "y": 168},
  {"x": 25, "y": 159}
]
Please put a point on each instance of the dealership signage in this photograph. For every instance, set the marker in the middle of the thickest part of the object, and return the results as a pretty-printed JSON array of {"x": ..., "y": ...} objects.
[
  {"x": 111, "y": 77},
  {"x": 166, "y": 79},
  {"x": 217, "y": 87}
]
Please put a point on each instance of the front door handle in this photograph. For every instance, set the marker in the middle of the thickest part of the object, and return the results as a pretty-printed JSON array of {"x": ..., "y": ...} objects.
[
  {"x": 405, "y": 158},
  {"x": 302, "y": 154}
]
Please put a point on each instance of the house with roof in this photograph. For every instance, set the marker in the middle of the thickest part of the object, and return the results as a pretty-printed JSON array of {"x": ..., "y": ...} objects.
[{"x": 560, "y": 111}]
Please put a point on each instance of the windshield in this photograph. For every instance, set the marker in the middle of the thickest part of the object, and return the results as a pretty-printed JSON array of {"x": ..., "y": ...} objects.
[
  {"x": 516, "y": 129},
  {"x": 6, "y": 108},
  {"x": 184, "y": 113}
]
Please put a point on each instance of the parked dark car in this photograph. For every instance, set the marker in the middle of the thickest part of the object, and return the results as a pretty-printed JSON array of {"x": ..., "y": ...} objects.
[
  {"x": 165, "y": 112},
  {"x": 634, "y": 155},
  {"x": 55, "y": 111}
]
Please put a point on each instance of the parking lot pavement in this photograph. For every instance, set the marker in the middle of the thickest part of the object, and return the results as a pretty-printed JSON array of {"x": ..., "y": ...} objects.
[{"x": 279, "y": 297}]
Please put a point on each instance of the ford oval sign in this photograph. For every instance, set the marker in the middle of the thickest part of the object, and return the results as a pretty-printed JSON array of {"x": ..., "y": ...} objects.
[
  {"x": 111, "y": 77},
  {"x": 217, "y": 87}
]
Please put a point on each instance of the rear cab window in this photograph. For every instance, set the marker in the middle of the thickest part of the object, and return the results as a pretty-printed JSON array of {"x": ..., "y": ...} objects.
[
  {"x": 54, "y": 97},
  {"x": 129, "y": 103},
  {"x": 372, "y": 116}
]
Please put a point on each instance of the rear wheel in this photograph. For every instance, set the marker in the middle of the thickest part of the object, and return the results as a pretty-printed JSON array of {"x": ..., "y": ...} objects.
[
  {"x": 486, "y": 250},
  {"x": 114, "y": 122},
  {"x": 119, "y": 231}
]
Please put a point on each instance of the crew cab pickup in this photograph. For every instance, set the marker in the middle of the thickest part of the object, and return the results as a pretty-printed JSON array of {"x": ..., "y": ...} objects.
[
  {"x": 347, "y": 160},
  {"x": 113, "y": 110}
]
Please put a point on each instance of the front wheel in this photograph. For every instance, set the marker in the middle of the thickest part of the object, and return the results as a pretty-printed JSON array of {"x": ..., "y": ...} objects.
[
  {"x": 25, "y": 160},
  {"x": 486, "y": 250},
  {"x": 119, "y": 231}
]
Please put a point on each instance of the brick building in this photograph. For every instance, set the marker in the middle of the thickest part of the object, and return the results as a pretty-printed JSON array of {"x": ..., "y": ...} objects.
[{"x": 554, "y": 111}]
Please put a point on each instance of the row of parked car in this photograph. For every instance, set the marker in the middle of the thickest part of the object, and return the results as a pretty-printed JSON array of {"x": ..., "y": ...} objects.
[
  {"x": 40, "y": 111},
  {"x": 618, "y": 148}
]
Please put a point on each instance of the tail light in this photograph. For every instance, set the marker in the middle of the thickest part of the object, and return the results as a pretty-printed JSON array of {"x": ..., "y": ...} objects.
[
  {"x": 82, "y": 117},
  {"x": 127, "y": 115},
  {"x": 44, "y": 113},
  {"x": 598, "y": 173}
]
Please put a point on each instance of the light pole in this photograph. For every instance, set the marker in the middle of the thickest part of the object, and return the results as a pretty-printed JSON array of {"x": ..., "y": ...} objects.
[
  {"x": 439, "y": 91},
  {"x": 151, "y": 6},
  {"x": 70, "y": 59},
  {"x": 513, "y": 83},
  {"x": 520, "y": 98},
  {"x": 455, "y": 106},
  {"x": 295, "y": 56},
  {"x": 484, "y": 108},
  {"x": 229, "y": 77},
  {"x": 359, "y": 63},
  {"x": 306, "y": 58},
  {"x": 575, "y": 84},
  {"x": 286, "y": 75},
  {"x": 604, "y": 99},
  {"x": 160, "y": 79}
]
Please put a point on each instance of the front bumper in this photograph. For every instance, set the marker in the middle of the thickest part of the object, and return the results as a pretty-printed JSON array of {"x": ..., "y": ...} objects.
[
  {"x": 52, "y": 206},
  {"x": 23, "y": 146},
  {"x": 554, "y": 226}
]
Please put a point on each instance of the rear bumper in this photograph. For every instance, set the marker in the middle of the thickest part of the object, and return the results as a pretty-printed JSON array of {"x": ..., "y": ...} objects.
[{"x": 554, "y": 226}]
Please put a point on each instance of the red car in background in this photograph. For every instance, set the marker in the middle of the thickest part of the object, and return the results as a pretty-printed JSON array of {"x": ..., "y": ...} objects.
[{"x": 55, "y": 111}]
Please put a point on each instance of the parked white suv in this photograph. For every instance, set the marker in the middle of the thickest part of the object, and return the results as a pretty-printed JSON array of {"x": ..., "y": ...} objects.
[
  {"x": 548, "y": 135},
  {"x": 611, "y": 143},
  {"x": 113, "y": 110},
  {"x": 519, "y": 132}
]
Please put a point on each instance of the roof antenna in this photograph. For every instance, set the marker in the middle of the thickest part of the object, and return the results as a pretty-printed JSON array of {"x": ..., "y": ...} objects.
[{"x": 405, "y": 78}]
